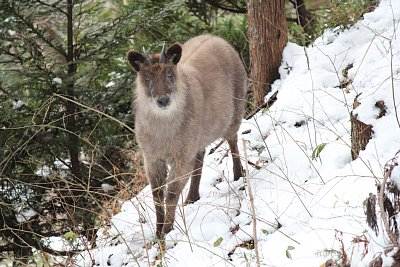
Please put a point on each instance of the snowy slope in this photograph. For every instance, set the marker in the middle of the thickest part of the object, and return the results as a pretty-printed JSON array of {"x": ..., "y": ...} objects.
[{"x": 317, "y": 203}]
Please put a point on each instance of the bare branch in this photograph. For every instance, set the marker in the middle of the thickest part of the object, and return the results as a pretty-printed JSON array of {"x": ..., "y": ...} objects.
[
  {"x": 382, "y": 196},
  {"x": 54, "y": 6}
]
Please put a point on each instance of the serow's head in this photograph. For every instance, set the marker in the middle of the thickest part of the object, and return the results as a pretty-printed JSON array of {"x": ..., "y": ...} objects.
[{"x": 157, "y": 75}]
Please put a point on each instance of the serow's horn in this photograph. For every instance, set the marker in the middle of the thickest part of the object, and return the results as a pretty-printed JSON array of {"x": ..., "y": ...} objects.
[
  {"x": 146, "y": 55},
  {"x": 162, "y": 54}
]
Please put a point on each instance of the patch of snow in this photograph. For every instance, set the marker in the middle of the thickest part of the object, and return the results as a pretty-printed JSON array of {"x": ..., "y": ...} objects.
[
  {"x": 17, "y": 104},
  {"x": 110, "y": 84},
  {"x": 57, "y": 80},
  {"x": 107, "y": 187},
  {"x": 307, "y": 209},
  {"x": 11, "y": 32},
  {"x": 25, "y": 215}
]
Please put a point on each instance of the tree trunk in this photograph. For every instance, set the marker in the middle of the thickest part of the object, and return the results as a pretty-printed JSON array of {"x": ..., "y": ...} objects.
[
  {"x": 360, "y": 132},
  {"x": 301, "y": 12},
  {"x": 73, "y": 138},
  {"x": 267, "y": 35},
  {"x": 360, "y": 135}
]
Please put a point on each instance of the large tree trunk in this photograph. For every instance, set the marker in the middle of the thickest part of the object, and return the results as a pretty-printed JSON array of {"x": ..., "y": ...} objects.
[{"x": 267, "y": 35}]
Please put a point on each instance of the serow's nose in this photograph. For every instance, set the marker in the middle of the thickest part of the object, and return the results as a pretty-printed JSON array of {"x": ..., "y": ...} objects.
[{"x": 163, "y": 101}]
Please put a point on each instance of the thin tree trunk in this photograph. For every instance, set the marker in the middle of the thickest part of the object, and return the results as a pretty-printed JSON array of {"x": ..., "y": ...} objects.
[
  {"x": 301, "y": 13},
  {"x": 360, "y": 135},
  {"x": 267, "y": 33},
  {"x": 73, "y": 139},
  {"x": 360, "y": 132}
]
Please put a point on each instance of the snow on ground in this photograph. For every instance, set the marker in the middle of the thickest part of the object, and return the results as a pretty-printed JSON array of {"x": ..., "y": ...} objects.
[{"x": 317, "y": 203}]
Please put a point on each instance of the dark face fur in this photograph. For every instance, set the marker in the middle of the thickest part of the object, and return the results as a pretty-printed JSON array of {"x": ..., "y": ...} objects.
[{"x": 158, "y": 74}]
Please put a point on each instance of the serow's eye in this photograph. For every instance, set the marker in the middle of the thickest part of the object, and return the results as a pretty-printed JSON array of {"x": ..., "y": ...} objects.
[
  {"x": 146, "y": 78},
  {"x": 169, "y": 74}
]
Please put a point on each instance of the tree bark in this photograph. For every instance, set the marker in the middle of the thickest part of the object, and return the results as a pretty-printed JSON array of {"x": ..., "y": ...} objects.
[
  {"x": 360, "y": 132},
  {"x": 267, "y": 34},
  {"x": 360, "y": 135},
  {"x": 73, "y": 138}
]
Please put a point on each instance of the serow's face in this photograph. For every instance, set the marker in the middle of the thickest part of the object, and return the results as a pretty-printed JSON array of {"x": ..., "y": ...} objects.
[
  {"x": 158, "y": 74},
  {"x": 159, "y": 82}
]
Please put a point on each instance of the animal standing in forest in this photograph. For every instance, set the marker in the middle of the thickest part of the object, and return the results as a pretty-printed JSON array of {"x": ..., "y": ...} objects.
[{"x": 186, "y": 97}]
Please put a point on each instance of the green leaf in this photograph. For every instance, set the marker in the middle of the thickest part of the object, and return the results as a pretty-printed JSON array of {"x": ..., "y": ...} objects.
[
  {"x": 218, "y": 242},
  {"x": 288, "y": 255},
  {"x": 318, "y": 150},
  {"x": 265, "y": 232},
  {"x": 70, "y": 236}
]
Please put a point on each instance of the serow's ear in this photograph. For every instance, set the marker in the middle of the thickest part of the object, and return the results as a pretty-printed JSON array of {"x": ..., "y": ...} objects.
[
  {"x": 174, "y": 53},
  {"x": 135, "y": 59}
]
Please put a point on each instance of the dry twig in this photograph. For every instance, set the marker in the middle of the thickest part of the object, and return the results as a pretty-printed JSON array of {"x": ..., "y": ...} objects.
[
  {"x": 253, "y": 210},
  {"x": 388, "y": 171}
]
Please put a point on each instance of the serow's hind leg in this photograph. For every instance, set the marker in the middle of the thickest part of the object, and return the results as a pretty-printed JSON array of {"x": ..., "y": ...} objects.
[
  {"x": 194, "y": 194},
  {"x": 237, "y": 165}
]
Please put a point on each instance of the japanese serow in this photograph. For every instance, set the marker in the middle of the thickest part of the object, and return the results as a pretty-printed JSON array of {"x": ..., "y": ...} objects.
[{"x": 186, "y": 97}]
